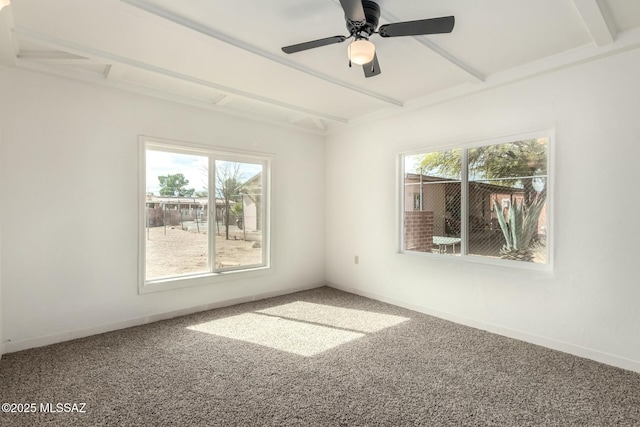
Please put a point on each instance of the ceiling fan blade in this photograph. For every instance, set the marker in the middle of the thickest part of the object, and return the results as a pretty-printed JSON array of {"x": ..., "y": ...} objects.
[
  {"x": 418, "y": 28},
  {"x": 372, "y": 68},
  {"x": 313, "y": 44},
  {"x": 353, "y": 10}
]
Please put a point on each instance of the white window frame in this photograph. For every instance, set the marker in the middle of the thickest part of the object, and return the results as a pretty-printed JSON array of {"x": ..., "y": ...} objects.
[
  {"x": 464, "y": 180},
  {"x": 213, "y": 275}
]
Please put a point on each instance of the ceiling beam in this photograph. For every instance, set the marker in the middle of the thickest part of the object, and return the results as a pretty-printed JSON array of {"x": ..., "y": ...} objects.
[
  {"x": 144, "y": 5},
  {"x": 109, "y": 58},
  {"x": 469, "y": 70},
  {"x": 425, "y": 41},
  {"x": 598, "y": 20}
]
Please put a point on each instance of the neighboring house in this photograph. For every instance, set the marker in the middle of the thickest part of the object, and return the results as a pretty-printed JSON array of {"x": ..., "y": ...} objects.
[{"x": 442, "y": 196}]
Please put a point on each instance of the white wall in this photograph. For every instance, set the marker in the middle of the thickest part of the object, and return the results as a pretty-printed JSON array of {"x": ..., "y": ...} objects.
[
  {"x": 69, "y": 190},
  {"x": 590, "y": 304}
]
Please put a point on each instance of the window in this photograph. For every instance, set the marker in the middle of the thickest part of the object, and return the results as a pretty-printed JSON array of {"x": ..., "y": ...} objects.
[
  {"x": 487, "y": 202},
  {"x": 204, "y": 213}
]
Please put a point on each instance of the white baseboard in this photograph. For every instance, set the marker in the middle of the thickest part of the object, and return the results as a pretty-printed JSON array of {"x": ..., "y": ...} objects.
[
  {"x": 576, "y": 350},
  {"x": 13, "y": 346}
]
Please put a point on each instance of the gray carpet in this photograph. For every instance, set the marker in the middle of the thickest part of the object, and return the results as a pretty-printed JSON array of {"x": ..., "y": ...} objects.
[{"x": 320, "y": 357}]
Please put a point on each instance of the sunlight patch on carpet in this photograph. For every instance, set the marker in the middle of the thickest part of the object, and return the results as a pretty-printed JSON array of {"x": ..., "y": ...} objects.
[
  {"x": 300, "y": 327},
  {"x": 291, "y": 336},
  {"x": 345, "y": 318}
]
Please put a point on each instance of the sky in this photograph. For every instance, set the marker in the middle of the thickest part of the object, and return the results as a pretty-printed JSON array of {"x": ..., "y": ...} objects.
[{"x": 194, "y": 169}]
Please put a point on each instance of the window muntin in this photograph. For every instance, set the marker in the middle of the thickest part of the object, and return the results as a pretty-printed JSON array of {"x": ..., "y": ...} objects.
[
  {"x": 204, "y": 212},
  {"x": 507, "y": 180}
]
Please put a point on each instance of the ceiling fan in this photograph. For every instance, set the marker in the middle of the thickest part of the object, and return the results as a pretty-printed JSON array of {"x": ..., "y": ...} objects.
[{"x": 362, "y": 20}]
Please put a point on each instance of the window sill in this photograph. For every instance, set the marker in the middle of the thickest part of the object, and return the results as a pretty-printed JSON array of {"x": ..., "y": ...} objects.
[
  {"x": 169, "y": 283},
  {"x": 480, "y": 260}
]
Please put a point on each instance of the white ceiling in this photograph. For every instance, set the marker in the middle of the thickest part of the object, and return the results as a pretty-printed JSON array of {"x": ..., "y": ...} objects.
[{"x": 226, "y": 56}]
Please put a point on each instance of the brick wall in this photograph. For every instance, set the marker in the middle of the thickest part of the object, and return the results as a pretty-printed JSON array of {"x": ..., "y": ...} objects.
[{"x": 418, "y": 230}]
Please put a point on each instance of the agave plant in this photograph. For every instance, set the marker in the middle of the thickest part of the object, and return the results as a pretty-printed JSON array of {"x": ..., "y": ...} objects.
[{"x": 520, "y": 229}]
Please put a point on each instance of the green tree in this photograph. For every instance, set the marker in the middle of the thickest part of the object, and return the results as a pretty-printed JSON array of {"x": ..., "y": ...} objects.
[{"x": 175, "y": 185}]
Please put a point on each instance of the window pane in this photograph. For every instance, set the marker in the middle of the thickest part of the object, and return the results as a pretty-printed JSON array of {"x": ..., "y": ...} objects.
[
  {"x": 507, "y": 200},
  {"x": 176, "y": 215},
  {"x": 239, "y": 214},
  {"x": 433, "y": 202}
]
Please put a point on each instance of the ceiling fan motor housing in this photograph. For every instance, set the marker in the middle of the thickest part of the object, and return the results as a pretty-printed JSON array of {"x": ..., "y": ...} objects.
[{"x": 372, "y": 15}]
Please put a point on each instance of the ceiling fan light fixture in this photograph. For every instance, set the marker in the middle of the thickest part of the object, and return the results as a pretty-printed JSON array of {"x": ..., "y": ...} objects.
[{"x": 361, "y": 51}]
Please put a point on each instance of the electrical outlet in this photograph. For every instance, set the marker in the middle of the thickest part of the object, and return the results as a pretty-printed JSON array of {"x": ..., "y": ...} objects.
[{"x": 356, "y": 259}]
